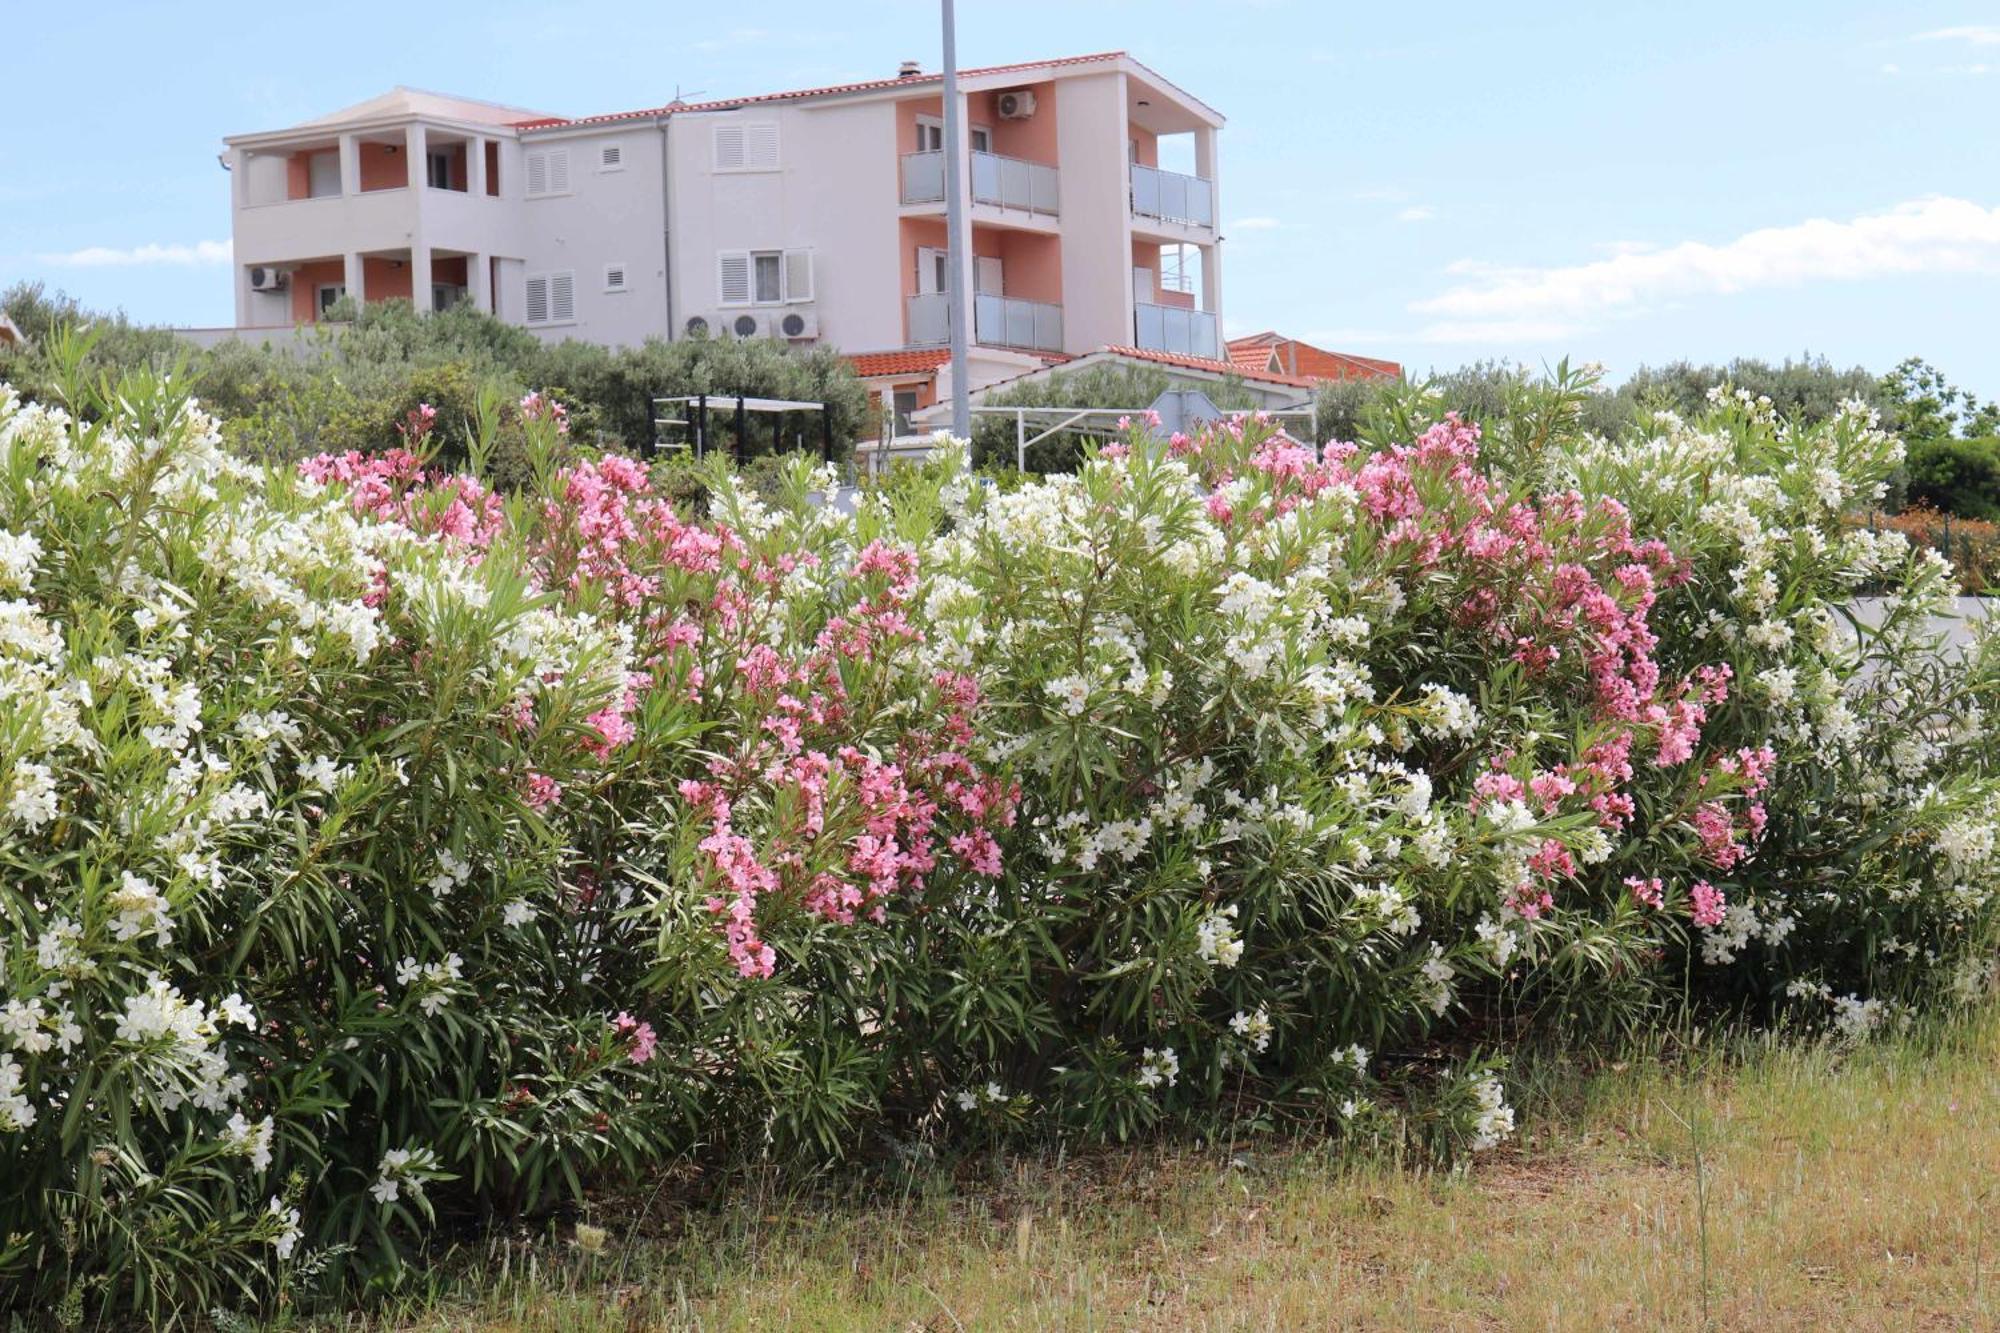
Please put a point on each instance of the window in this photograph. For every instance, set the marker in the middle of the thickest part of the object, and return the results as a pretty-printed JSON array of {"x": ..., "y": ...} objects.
[
  {"x": 323, "y": 174},
  {"x": 764, "y": 277},
  {"x": 930, "y": 136},
  {"x": 746, "y": 146},
  {"x": 905, "y": 407},
  {"x": 611, "y": 157},
  {"x": 437, "y": 169},
  {"x": 769, "y": 270},
  {"x": 326, "y": 294},
  {"x": 548, "y": 172},
  {"x": 551, "y": 298},
  {"x": 614, "y": 278}
]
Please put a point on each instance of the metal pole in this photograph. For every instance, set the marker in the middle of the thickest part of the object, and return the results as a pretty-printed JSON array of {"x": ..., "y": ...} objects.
[
  {"x": 958, "y": 241},
  {"x": 1020, "y": 439}
]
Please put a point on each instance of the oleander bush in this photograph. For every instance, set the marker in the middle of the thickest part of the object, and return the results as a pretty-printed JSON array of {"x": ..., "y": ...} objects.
[{"x": 385, "y": 853}]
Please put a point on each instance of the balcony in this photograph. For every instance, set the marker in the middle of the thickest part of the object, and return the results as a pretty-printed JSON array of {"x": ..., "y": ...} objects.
[
  {"x": 997, "y": 321},
  {"x": 1001, "y": 182},
  {"x": 1176, "y": 329},
  {"x": 1172, "y": 197}
]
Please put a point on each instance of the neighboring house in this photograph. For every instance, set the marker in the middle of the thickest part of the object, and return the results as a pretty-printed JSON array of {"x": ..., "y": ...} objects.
[
  {"x": 1277, "y": 354},
  {"x": 813, "y": 216}
]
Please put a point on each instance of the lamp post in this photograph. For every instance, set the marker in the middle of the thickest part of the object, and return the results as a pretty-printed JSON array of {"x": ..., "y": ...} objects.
[{"x": 958, "y": 245}]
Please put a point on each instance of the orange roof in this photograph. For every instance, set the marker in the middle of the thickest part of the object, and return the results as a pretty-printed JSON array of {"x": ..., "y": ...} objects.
[
  {"x": 1213, "y": 367},
  {"x": 1256, "y": 351},
  {"x": 832, "y": 90},
  {"x": 903, "y": 361}
]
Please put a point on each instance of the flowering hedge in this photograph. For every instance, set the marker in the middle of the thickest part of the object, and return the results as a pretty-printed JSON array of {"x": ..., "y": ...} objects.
[{"x": 376, "y": 844}]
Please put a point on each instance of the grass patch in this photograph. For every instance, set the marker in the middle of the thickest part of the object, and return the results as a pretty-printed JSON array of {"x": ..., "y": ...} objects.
[{"x": 1756, "y": 1185}]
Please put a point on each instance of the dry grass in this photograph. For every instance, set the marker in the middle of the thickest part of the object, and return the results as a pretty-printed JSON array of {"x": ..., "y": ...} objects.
[{"x": 1786, "y": 1188}]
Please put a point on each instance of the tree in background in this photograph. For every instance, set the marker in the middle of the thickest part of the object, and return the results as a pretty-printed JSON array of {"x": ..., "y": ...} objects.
[
  {"x": 1953, "y": 461},
  {"x": 348, "y": 386}
]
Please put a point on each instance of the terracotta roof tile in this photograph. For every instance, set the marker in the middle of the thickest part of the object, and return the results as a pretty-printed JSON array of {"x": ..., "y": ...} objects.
[
  {"x": 796, "y": 94},
  {"x": 1212, "y": 366},
  {"x": 901, "y": 361},
  {"x": 1312, "y": 363}
]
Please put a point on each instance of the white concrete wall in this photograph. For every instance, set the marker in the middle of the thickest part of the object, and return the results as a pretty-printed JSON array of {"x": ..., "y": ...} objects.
[
  {"x": 1096, "y": 212},
  {"x": 609, "y": 216},
  {"x": 835, "y": 193}
]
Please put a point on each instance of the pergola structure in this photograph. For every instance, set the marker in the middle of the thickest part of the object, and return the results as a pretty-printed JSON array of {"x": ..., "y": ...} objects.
[
  {"x": 697, "y": 406},
  {"x": 1049, "y": 421}
]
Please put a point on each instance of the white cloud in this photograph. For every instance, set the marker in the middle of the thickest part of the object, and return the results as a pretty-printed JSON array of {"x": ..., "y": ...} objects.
[
  {"x": 1972, "y": 71},
  {"x": 1417, "y": 213},
  {"x": 1982, "y": 34},
  {"x": 1934, "y": 235},
  {"x": 152, "y": 253},
  {"x": 1256, "y": 224}
]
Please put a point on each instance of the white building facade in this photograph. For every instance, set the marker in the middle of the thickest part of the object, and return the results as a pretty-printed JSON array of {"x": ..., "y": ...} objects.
[{"x": 814, "y": 216}]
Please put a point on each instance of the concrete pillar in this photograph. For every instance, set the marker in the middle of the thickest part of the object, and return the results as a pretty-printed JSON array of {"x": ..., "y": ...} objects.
[
  {"x": 243, "y": 297},
  {"x": 475, "y": 167},
  {"x": 476, "y": 266},
  {"x": 1208, "y": 165},
  {"x": 350, "y": 167},
  {"x": 414, "y": 144},
  {"x": 963, "y": 261},
  {"x": 354, "y": 277},
  {"x": 420, "y": 276}
]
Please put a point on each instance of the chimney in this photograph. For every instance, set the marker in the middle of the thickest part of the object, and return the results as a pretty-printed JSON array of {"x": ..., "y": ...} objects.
[{"x": 909, "y": 69}]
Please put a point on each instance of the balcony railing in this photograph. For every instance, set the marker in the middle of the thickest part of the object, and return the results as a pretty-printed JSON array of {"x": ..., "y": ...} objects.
[
  {"x": 997, "y": 321},
  {"x": 1172, "y": 197},
  {"x": 1004, "y": 182},
  {"x": 1167, "y": 328}
]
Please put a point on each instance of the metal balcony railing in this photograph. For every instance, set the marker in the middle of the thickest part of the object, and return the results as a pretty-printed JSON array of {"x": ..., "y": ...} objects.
[
  {"x": 1171, "y": 328},
  {"x": 1172, "y": 197},
  {"x": 1004, "y": 182}
]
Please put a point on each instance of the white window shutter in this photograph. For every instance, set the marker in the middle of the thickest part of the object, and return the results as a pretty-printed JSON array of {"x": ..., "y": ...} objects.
[
  {"x": 538, "y": 174},
  {"x": 733, "y": 288},
  {"x": 729, "y": 149},
  {"x": 538, "y": 300},
  {"x": 798, "y": 275},
  {"x": 761, "y": 146},
  {"x": 562, "y": 297},
  {"x": 559, "y": 171}
]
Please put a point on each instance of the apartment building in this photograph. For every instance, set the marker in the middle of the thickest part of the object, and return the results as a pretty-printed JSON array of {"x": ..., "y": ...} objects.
[{"x": 815, "y": 215}]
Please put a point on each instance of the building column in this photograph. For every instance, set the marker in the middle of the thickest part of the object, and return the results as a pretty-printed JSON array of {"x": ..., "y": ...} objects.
[
  {"x": 963, "y": 262},
  {"x": 1211, "y": 280},
  {"x": 354, "y": 277},
  {"x": 476, "y": 266},
  {"x": 414, "y": 145},
  {"x": 1207, "y": 165},
  {"x": 243, "y": 296},
  {"x": 350, "y": 166},
  {"x": 475, "y": 167}
]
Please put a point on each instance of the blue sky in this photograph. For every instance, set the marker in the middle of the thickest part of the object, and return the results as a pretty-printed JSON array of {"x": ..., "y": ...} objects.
[{"x": 1434, "y": 182}]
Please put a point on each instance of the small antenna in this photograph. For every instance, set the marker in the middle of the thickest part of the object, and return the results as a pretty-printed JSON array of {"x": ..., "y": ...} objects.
[{"x": 680, "y": 98}]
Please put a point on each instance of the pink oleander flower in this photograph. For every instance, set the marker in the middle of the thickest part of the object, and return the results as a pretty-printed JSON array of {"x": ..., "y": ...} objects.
[
  {"x": 1647, "y": 891},
  {"x": 1707, "y": 903},
  {"x": 542, "y": 791},
  {"x": 641, "y": 1042}
]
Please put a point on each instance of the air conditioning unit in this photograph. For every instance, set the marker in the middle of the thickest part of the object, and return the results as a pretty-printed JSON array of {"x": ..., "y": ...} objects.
[
  {"x": 744, "y": 323},
  {"x": 800, "y": 323},
  {"x": 697, "y": 326},
  {"x": 1017, "y": 105},
  {"x": 264, "y": 278}
]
